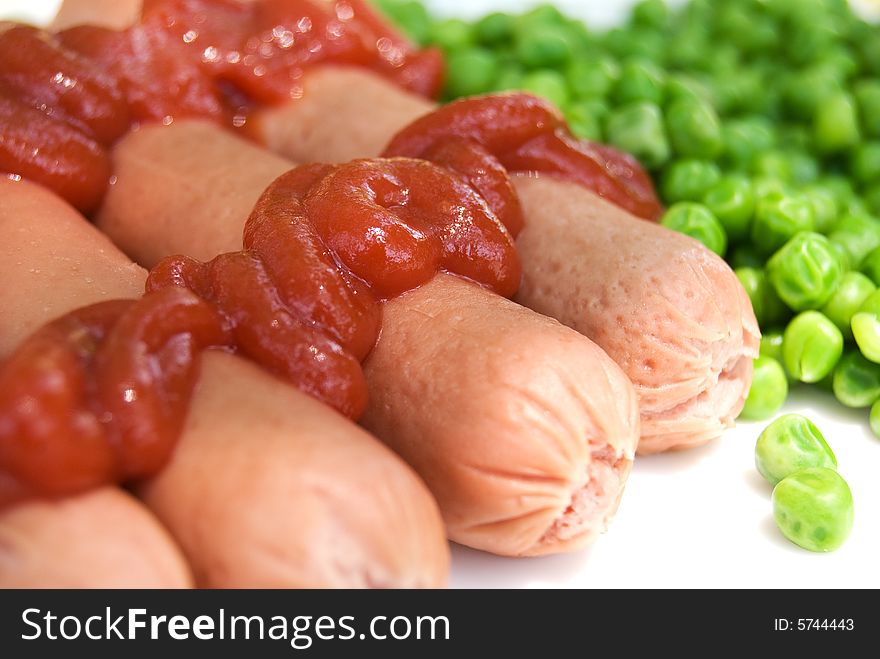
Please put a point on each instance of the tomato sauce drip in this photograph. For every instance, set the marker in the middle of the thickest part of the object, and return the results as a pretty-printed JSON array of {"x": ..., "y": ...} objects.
[
  {"x": 65, "y": 98},
  {"x": 523, "y": 133},
  {"x": 101, "y": 394}
]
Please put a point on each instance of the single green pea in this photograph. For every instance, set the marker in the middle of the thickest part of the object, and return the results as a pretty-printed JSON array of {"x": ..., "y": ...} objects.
[
  {"x": 867, "y": 94},
  {"x": 865, "y": 162},
  {"x": 745, "y": 138},
  {"x": 875, "y": 419},
  {"x": 778, "y": 218},
  {"x": 696, "y": 221},
  {"x": 770, "y": 189},
  {"x": 510, "y": 76},
  {"x": 471, "y": 71},
  {"x": 773, "y": 164},
  {"x": 732, "y": 200},
  {"x": 856, "y": 380},
  {"x": 494, "y": 28},
  {"x": 640, "y": 81},
  {"x": 866, "y": 327},
  {"x": 768, "y": 308},
  {"x": 824, "y": 205},
  {"x": 771, "y": 344},
  {"x": 859, "y": 235},
  {"x": 836, "y": 124},
  {"x": 805, "y": 90},
  {"x": 542, "y": 46},
  {"x": 638, "y": 129},
  {"x": 592, "y": 78},
  {"x": 650, "y": 13},
  {"x": 584, "y": 121},
  {"x": 547, "y": 83},
  {"x": 870, "y": 266},
  {"x": 791, "y": 443},
  {"x": 638, "y": 42},
  {"x": 768, "y": 390},
  {"x": 811, "y": 346},
  {"x": 806, "y": 271},
  {"x": 684, "y": 86},
  {"x": 854, "y": 289},
  {"x": 694, "y": 129},
  {"x": 744, "y": 256},
  {"x": 814, "y": 509},
  {"x": 451, "y": 34},
  {"x": 688, "y": 179}
]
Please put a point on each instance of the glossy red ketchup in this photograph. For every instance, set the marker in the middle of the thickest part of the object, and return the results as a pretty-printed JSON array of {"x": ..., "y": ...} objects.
[
  {"x": 100, "y": 395},
  {"x": 64, "y": 98},
  {"x": 523, "y": 133}
]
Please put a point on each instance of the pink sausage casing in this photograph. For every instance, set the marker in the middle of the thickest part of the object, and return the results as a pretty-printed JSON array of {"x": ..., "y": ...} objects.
[
  {"x": 104, "y": 538},
  {"x": 596, "y": 430},
  {"x": 267, "y": 487},
  {"x": 670, "y": 312}
]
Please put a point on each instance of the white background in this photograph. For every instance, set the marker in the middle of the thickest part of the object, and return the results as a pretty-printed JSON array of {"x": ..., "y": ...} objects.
[{"x": 696, "y": 519}]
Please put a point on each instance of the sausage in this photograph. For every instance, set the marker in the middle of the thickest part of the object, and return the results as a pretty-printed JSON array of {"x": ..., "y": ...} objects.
[
  {"x": 104, "y": 538},
  {"x": 578, "y": 461},
  {"x": 267, "y": 487},
  {"x": 101, "y": 539},
  {"x": 523, "y": 429},
  {"x": 671, "y": 313},
  {"x": 692, "y": 376},
  {"x": 206, "y": 216}
]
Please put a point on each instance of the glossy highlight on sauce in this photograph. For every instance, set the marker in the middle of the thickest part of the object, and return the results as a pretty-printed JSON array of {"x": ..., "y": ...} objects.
[
  {"x": 523, "y": 133},
  {"x": 66, "y": 97},
  {"x": 101, "y": 394}
]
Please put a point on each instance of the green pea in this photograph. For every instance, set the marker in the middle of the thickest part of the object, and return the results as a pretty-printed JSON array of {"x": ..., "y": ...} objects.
[
  {"x": 696, "y": 221},
  {"x": 791, "y": 443},
  {"x": 768, "y": 308},
  {"x": 745, "y": 138},
  {"x": 592, "y": 78},
  {"x": 872, "y": 199},
  {"x": 778, "y": 218},
  {"x": 865, "y": 162},
  {"x": 768, "y": 391},
  {"x": 451, "y": 34},
  {"x": 510, "y": 76},
  {"x": 867, "y": 95},
  {"x": 854, "y": 289},
  {"x": 470, "y": 72},
  {"x": 806, "y": 271},
  {"x": 744, "y": 256},
  {"x": 494, "y": 28},
  {"x": 584, "y": 121},
  {"x": 412, "y": 17},
  {"x": 811, "y": 346},
  {"x": 683, "y": 86},
  {"x": 732, "y": 200},
  {"x": 824, "y": 205},
  {"x": 635, "y": 42},
  {"x": 859, "y": 235},
  {"x": 771, "y": 344},
  {"x": 689, "y": 179},
  {"x": 866, "y": 327},
  {"x": 650, "y": 13},
  {"x": 870, "y": 266},
  {"x": 640, "y": 81},
  {"x": 547, "y": 83},
  {"x": 856, "y": 380},
  {"x": 773, "y": 164},
  {"x": 694, "y": 129},
  {"x": 638, "y": 129},
  {"x": 804, "y": 91},
  {"x": 540, "y": 46},
  {"x": 835, "y": 124},
  {"x": 814, "y": 509},
  {"x": 770, "y": 188},
  {"x": 875, "y": 418}
]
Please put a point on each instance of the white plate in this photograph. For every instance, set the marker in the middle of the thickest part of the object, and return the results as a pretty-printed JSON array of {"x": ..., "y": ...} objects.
[{"x": 696, "y": 519}]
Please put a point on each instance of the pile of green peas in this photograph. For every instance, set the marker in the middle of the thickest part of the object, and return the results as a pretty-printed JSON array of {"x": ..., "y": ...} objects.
[
  {"x": 812, "y": 503},
  {"x": 759, "y": 121}
]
